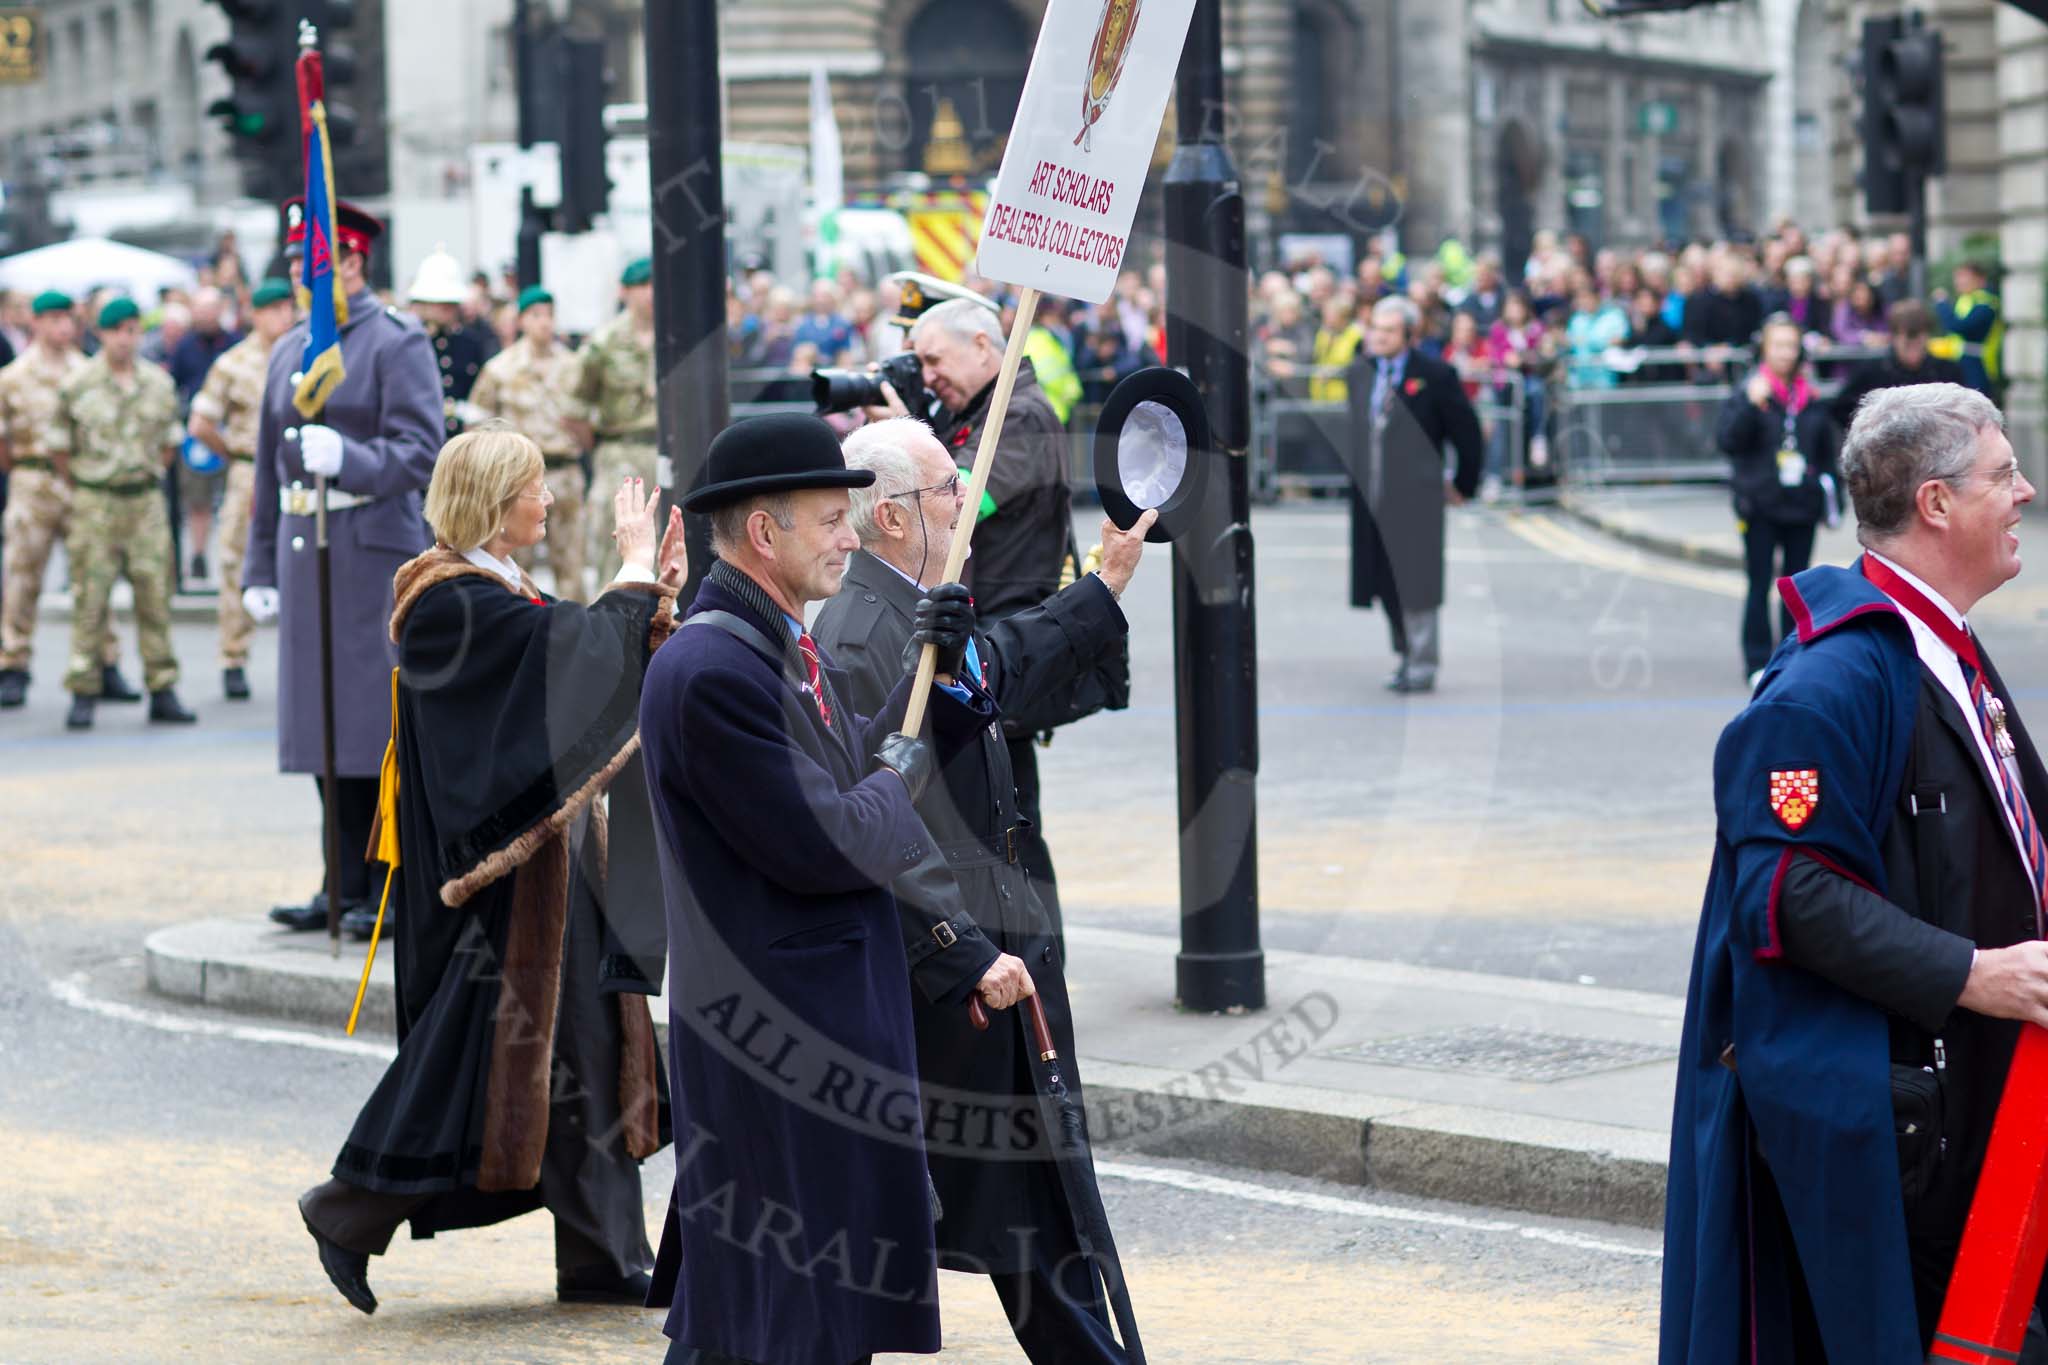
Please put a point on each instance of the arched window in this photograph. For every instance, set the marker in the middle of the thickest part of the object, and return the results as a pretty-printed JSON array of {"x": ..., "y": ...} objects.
[{"x": 967, "y": 62}]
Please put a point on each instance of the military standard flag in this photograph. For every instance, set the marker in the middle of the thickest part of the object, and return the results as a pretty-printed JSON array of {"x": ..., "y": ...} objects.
[{"x": 320, "y": 290}]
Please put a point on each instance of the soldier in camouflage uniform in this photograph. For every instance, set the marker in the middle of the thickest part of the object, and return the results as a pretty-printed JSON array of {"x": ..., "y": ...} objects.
[
  {"x": 38, "y": 503},
  {"x": 116, "y": 432},
  {"x": 531, "y": 386},
  {"x": 224, "y": 416},
  {"x": 617, "y": 381}
]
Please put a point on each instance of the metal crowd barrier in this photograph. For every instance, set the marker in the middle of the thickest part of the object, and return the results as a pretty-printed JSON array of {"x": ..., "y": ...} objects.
[
  {"x": 1650, "y": 415},
  {"x": 1304, "y": 445}
]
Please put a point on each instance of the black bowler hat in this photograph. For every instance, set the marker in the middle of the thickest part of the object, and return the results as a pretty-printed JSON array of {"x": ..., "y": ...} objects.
[{"x": 779, "y": 453}]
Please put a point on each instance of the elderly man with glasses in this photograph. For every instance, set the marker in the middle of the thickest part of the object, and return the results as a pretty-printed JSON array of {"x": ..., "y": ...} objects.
[
  {"x": 1003, "y": 1211},
  {"x": 1871, "y": 937}
]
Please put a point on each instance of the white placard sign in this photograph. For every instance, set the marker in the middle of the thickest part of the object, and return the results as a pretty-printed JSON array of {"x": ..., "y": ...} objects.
[{"x": 1086, "y": 128}]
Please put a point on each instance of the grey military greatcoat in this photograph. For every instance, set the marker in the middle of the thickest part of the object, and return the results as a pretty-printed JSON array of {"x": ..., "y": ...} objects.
[{"x": 388, "y": 411}]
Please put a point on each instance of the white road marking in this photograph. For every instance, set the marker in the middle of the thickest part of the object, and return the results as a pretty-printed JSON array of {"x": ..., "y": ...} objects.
[
  {"x": 1199, "y": 1183},
  {"x": 71, "y": 991},
  {"x": 1547, "y": 534}
]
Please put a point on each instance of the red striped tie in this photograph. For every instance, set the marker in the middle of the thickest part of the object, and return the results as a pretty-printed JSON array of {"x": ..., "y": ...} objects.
[
  {"x": 808, "y": 647},
  {"x": 2009, "y": 782}
]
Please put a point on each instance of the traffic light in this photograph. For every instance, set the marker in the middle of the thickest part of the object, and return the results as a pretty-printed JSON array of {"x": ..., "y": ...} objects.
[
  {"x": 1904, "y": 136},
  {"x": 586, "y": 189},
  {"x": 260, "y": 115}
]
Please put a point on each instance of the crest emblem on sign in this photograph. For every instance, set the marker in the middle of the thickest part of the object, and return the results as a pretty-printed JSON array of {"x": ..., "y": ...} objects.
[
  {"x": 1106, "y": 63},
  {"x": 1795, "y": 796}
]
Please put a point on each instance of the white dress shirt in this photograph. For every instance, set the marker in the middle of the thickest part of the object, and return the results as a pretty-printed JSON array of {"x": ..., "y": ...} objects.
[
  {"x": 514, "y": 579},
  {"x": 1948, "y": 671}
]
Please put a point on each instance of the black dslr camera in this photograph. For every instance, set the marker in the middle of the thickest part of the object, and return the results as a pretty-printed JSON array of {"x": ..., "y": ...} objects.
[{"x": 845, "y": 390}]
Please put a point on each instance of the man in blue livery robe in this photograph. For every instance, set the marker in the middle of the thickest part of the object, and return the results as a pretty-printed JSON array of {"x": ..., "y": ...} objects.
[
  {"x": 1871, "y": 930},
  {"x": 800, "y": 1232}
]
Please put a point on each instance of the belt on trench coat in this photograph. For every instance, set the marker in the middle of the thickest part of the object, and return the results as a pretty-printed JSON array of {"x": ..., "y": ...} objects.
[{"x": 994, "y": 851}]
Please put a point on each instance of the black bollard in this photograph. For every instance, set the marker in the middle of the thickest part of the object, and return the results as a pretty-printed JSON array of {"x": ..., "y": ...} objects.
[{"x": 1216, "y": 691}]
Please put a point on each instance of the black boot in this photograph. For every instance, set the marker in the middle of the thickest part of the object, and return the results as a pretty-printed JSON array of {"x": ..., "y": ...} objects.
[
  {"x": 349, "y": 1270},
  {"x": 603, "y": 1285},
  {"x": 359, "y": 920},
  {"x": 13, "y": 687},
  {"x": 114, "y": 687},
  {"x": 165, "y": 709},
  {"x": 81, "y": 713},
  {"x": 313, "y": 914},
  {"x": 235, "y": 682}
]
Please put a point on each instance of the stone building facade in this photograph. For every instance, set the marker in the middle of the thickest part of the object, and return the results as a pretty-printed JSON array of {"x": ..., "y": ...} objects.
[{"x": 1995, "y": 190}]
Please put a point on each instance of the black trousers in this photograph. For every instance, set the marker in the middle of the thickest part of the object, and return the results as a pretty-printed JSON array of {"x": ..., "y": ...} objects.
[
  {"x": 1931, "y": 1266},
  {"x": 355, "y": 802},
  {"x": 1770, "y": 550},
  {"x": 1057, "y": 1310}
]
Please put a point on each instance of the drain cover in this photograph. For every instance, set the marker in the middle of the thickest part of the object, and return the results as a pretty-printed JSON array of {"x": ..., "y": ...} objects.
[{"x": 1512, "y": 1054}]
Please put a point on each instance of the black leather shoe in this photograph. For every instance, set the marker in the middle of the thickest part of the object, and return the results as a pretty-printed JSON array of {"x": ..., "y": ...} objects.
[
  {"x": 80, "y": 717},
  {"x": 114, "y": 687},
  {"x": 13, "y": 687},
  {"x": 358, "y": 920},
  {"x": 1412, "y": 686},
  {"x": 235, "y": 682},
  {"x": 165, "y": 709},
  {"x": 349, "y": 1270},
  {"x": 312, "y": 915},
  {"x": 601, "y": 1286},
  {"x": 1397, "y": 681}
]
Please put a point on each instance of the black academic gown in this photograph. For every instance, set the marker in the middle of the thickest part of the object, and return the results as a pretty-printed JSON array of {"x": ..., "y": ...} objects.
[
  {"x": 981, "y": 1125},
  {"x": 514, "y": 713}
]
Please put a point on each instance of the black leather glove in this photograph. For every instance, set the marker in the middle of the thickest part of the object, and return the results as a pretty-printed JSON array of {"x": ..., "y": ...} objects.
[
  {"x": 945, "y": 618},
  {"x": 910, "y": 759}
]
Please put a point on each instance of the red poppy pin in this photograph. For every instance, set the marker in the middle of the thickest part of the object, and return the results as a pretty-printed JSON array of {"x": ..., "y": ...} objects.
[
  {"x": 960, "y": 437},
  {"x": 1795, "y": 796},
  {"x": 1412, "y": 387}
]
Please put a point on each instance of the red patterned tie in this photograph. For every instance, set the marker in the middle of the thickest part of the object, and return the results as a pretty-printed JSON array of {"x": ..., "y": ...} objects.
[{"x": 808, "y": 647}]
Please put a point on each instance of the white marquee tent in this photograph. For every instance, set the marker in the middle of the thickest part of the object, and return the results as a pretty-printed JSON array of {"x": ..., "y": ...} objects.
[{"x": 84, "y": 264}]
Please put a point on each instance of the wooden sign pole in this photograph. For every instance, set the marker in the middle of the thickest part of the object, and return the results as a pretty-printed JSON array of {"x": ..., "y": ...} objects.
[{"x": 984, "y": 461}]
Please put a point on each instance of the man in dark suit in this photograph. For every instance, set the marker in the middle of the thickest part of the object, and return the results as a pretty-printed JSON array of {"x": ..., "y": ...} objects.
[
  {"x": 1871, "y": 934},
  {"x": 1405, "y": 407},
  {"x": 1005, "y": 1213},
  {"x": 1908, "y": 361},
  {"x": 782, "y": 817}
]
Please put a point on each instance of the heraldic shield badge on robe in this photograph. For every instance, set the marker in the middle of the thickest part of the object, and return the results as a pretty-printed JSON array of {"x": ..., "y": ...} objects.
[
  {"x": 1106, "y": 63},
  {"x": 1795, "y": 796}
]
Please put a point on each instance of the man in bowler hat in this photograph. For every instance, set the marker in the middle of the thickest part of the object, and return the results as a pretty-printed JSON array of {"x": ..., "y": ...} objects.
[{"x": 783, "y": 817}]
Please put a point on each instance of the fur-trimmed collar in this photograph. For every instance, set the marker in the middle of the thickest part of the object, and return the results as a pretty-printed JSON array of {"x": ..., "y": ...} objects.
[{"x": 430, "y": 570}]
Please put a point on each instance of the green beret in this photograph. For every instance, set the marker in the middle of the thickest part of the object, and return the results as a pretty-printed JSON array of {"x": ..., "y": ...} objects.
[
  {"x": 533, "y": 294},
  {"x": 117, "y": 312},
  {"x": 52, "y": 301},
  {"x": 272, "y": 290},
  {"x": 638, "y": 272}
]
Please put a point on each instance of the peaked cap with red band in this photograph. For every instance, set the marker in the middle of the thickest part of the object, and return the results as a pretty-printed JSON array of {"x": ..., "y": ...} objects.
[{"x": 356, "y": 229}]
